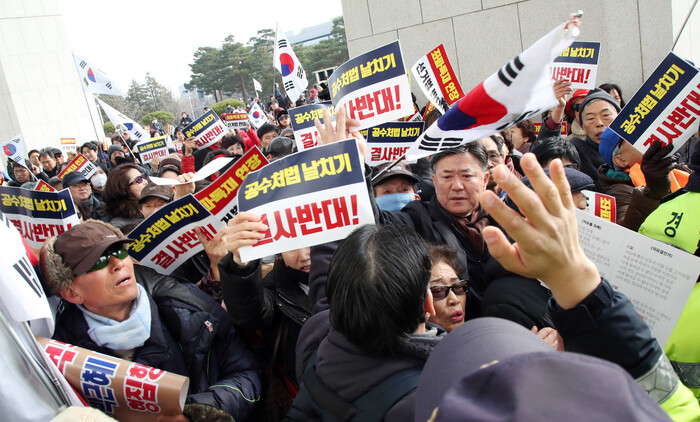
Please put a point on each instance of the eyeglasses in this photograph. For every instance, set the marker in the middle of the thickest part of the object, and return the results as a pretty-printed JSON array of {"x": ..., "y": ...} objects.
[
  {"x": 572, "y": 166},
  {"x": 139, "y": 179},
  {"x": 494, "y": 156},
  {"x": 440, "y": 292},
  {"x": 118, "y": 251}
]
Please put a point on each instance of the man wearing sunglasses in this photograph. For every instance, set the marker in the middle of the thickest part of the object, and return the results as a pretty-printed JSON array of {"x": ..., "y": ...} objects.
[{"x": 112, "y": 306}]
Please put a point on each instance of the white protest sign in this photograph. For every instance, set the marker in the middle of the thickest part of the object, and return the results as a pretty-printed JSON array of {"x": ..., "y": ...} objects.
[
  {"x": 311, "y": 197},
  {"x": 206, "y": 171},
  {"x": 152, "y": 148},
  {"x": 658, "y": 278},
  {"x": 167, "y": 238},
  {"x": 578, "y": 64},
  {"x": 206, "y": 129}
]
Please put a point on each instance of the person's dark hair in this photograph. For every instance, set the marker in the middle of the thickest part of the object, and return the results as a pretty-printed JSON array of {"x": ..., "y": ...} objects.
[
  {"x": 55, "y": 181},
  {"x": 32, "y": 151},
  {"x": 609, "y": 87},
  {"x": 528, "y": 129},
  {"x": 377, "y": 285},
  {"x": 474, "y": 148},
  {"x": 265, "y": 128},
  {"x": 499, "y": 142},
  {"x": 90, "y": 145},
  {"x": 508, "y": 140},
  {"x": 230, "y": 139},
  {"x": 116, "y": 193},
  {"x": 47, "y": 153},
  {"x": 546, "y": 149},
  {"x": 444, "y": 253}
]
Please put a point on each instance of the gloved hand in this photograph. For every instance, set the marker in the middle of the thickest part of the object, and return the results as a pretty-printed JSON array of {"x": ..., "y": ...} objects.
[{"x": 656, "y": 166}]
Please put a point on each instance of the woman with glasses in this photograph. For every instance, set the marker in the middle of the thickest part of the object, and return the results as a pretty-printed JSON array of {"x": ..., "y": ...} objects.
[
  {"x": 448, "y": 289},
  {"x": 121, "y": 195}
]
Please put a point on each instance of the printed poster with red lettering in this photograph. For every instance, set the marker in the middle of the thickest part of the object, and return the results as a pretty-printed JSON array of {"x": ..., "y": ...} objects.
[
  {"x": 68, "y": 144},
  {"x": 153, "y": 148},
  {"x": 38, "y": 215},
  {"x": 81, "y": 164},
  {"x": 206, "y": 129},
  {"x": 308, "y": 198},
  {"x": 601, "y": 205},
  {"x": 436, "y": 78},
  {"x": 302, "y": 118},
  {"x": 220, "y": 197},
  {"x": 167, "y": 238},
  {"x": 44, "y": 187},
  {"x": 127, "y": 391},
  {"x": 390, "y": 141},
  {"x": 578, "y": 64},
  {"x": 666, "y": 108},
  {"x": 373, "y": 87},
  {"x": 235, "y": 120}
]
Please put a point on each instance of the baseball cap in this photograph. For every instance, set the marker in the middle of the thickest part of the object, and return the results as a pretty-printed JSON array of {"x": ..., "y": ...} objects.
[
  {"x": 159, "y": 191},
  {"x": 492, "y": 369},
  {"x": 608, "y": 142},
  {"x": 399, "y": 169},
  {"x": 579, "y": 93},
  {"x": 73, "y": 178},
  {"x": 81, "y": 245}
]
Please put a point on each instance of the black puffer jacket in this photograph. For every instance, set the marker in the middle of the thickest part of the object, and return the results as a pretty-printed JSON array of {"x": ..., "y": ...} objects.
[
  {"x": 191, "y": 335},
  {"x": 276, "y": 305}
]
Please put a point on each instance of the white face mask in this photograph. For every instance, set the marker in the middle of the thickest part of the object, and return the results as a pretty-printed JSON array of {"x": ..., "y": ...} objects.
[{"x": 98, "y": 180}]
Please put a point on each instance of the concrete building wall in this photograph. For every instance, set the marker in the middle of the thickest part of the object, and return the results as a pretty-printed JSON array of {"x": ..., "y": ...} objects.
[
  {"x": 40, "y": 94},
  {"x": 480, "y": 36}
]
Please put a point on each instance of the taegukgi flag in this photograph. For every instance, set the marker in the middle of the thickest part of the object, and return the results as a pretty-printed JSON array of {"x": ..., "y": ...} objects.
[
  {"x": 284, "y": 60},
  {"x": 94, "y": 80},
  {"x": 14, "y": 149},
  {"x": 256, "y": 84},
  {"x": 520, "y": 89},
  {"x": 117, "y": 118},
  {"x": 256, "y": 116}
]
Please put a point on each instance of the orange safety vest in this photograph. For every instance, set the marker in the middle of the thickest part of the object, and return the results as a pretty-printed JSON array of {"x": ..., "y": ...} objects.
[{"x": 679, "y": 178}]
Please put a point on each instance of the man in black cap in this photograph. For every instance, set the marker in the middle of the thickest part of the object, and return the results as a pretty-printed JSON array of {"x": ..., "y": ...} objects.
[
  {"x": 81, "y": 190},
  {"x": 112, "y": 306},
  {"x": 596, "y": 112},
  {"x": 394, "y": 188}
]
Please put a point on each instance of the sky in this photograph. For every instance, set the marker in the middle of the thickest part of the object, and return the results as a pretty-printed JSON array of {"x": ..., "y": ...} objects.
[{"x": 127, "y": 38}]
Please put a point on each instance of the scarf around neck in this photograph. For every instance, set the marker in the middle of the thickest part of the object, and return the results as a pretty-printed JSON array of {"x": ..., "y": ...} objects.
[
  {"x": 128, "y": 334},
  {"x": 471, "y": 227}
]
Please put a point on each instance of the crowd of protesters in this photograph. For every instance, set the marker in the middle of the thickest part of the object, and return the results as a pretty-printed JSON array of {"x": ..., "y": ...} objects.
[{"x": 431, "y": 314}]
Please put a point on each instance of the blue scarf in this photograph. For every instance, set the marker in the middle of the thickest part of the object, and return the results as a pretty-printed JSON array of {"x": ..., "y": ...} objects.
[{"x": 126, "y": 335}]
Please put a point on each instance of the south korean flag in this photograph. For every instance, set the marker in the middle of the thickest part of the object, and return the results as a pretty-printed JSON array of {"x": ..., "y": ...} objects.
[
  {"x": 256, "y": 116},
  {"x": 117, "y": 118},
  {"x": 284, "y": 60},
  {"x": 94, "y": 80}
]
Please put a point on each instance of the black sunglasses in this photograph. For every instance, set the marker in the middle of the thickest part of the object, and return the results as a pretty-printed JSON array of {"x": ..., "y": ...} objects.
[
  {"x": 117, "y": 251},
  {"x": 440, "y": 292}
]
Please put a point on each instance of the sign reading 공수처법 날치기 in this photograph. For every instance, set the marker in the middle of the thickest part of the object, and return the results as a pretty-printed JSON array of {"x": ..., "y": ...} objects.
[
  {"x": 38, "y": 215},
  {"x": 578, "y": 64},
  {"x": 302, "y": 118},
  {"x": 153, "y": 148},
  {"x": 373, "y": 87},
  {"x": 666, "y": 108},
  {"x": 206, "y": 129},
  {"x": 390, "y": 141},
  {"x": 311, "y": 197}
]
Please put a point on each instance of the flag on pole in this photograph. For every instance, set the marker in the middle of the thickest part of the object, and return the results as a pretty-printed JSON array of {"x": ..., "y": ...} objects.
[
  {"x": 94, "y": 80},
  {"x": 117, "y": 118},
  {"x": 256, "y": 84},
  {"x": 256, "y": 116},
  {"x": 519, "y": 90},
  {"x": 284, "y": 60},
  {"x": 14, "y": 149}
]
